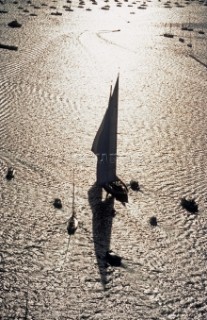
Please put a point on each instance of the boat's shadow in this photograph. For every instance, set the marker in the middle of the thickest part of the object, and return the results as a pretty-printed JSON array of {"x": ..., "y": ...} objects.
[{"x": 102, "y": 217}]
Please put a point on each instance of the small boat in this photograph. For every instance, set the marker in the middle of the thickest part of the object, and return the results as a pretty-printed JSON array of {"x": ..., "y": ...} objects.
[
  {"x": 69, "y": 9},
  {"x": 107, "y": 7},
  {"x": 201, "y": 32},
  {"x": 190, "y": 43},
  {"x": 105, "y": 148},
  {"x": 190, "y": 205},
  {"x": 184, "y": 28},
  {"x": 134, "y": 185},
  {"x": 153, "y": 221},
  {"x": 169, "y": 34},
  {"x": 72, "y": 225},
  {"x": 56, "y": 13},
  {"x": 8, "y": 47},
  {"x": 113, "y": 259},
  {"x": 57, "y": 203},
  {"x": 73, "y": 221},
  {"x": 14, "y": 24},
  {"x": 10, "y": 173}
]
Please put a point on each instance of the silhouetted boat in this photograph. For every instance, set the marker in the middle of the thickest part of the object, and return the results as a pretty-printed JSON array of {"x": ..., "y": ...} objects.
[
  {"x": 184, "y": 28},
  {"x": 10, "y": 173},
  {"x": 73, "y": 221},
  {"x": 57, "y": 203},
  {"x": 105, "y": 148},
  {"x": 14, "y": 24},
  {"x": 201, "y": 32},
  {"x": 190, "y": 205},
  {"x": 112, "y": 259},
  {"x": 153, "y": 221},
  {"x": 8, "y": 47},
  {"x": 134, "y": 185},
  {"x": 190, "y": 43},
  {"x": 56, "y": 13},
  {"x": 169, "y": 34}
]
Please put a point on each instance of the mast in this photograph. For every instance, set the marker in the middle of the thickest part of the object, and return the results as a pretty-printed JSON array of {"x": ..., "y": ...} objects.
[
  {"x": 73, "y": 201},
  {"x": 72, "y": 222}
]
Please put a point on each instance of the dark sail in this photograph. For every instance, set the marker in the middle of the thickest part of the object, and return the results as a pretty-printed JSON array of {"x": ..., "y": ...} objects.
[{"x": 105, "y": 142}]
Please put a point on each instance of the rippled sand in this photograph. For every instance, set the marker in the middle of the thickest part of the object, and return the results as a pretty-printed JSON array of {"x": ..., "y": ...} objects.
[{"x": 54, "y": 91}]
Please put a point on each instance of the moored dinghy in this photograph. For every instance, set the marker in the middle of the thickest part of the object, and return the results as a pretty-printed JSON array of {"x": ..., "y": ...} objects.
[
  {"x": 105, "y": 148},
  {"x": 10, "y": 173}
]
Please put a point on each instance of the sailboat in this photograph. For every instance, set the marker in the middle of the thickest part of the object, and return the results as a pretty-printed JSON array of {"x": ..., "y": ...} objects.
[
  {"x": 105, "y": 148},
  {"x": 73, "y": 221}
]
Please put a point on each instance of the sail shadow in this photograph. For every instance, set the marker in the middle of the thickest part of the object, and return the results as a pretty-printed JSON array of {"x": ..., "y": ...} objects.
[{"x": 103, "y": 213}]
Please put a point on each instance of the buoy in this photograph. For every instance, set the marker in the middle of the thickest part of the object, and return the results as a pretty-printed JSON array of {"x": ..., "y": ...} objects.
[
  {"x": 134, "y": 185},
  {"x": 57, "y": 203},
  {"x": 153, "y": 221}
]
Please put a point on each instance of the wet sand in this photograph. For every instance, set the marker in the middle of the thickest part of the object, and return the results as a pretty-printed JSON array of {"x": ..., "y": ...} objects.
[{"x": 54, "y": 91}]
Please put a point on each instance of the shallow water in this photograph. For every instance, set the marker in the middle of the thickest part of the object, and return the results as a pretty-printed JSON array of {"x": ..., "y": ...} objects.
[{"x": 54, "y": 91}]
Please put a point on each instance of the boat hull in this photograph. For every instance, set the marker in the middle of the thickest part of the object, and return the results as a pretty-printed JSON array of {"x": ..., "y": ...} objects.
[{"x": 118, "y": 190}]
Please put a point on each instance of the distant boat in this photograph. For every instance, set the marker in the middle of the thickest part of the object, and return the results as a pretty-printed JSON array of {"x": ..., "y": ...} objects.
[
  {"x": 189, "y": 205},
  {"x": 8, "y": 47},
  {"x": 10, "y": 173},
  {"x": 190, "y": 43},
  {"x": 56, "y": 13},
  {"x": 14, "y": 24},
  {"x": 73, "y": 221},
  {"x": 105, "y": 148},
  {"x": 169, "y": 34}
]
